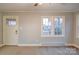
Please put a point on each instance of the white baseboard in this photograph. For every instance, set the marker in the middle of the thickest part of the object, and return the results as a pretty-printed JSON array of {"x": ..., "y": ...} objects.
[
  {"x": 44, "y": 44},
  {"x": 1, "y": 45},
  {"x": 73, "y": 45},
  {"x": 29, "y": 45}
]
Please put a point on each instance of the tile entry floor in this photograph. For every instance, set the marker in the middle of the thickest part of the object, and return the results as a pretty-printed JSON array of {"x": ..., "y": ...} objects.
[{"x": 38, "y": 50}]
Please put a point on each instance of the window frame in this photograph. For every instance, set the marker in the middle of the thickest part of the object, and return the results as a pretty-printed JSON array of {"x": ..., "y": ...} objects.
[{"x": 52, "y": 30}]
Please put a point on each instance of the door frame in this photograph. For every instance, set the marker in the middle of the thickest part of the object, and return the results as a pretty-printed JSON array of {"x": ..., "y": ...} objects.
[{"x": 5, "y": 31}]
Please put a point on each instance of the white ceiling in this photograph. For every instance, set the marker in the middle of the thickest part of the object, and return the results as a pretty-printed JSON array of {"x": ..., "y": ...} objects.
[{"x": 45, "y": 7}]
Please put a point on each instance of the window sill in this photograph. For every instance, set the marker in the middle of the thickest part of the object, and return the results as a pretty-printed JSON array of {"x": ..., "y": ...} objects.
[{"x": 52, "y": 35}]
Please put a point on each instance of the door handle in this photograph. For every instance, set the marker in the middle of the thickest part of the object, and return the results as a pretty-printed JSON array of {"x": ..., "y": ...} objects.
[{"x": 16, "y": 31}]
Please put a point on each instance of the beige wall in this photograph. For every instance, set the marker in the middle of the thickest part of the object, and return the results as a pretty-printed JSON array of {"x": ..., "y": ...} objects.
[{"x": 30, "y": 29}]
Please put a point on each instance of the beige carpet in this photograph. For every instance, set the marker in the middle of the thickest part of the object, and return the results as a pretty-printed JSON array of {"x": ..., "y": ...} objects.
[{"x": 48, "y": 50}]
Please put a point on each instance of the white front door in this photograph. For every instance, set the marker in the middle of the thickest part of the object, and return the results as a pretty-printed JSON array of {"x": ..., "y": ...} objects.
[{"x": 10, "y": 30}]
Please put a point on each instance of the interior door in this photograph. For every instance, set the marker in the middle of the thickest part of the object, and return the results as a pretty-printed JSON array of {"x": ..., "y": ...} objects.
[{"x": 10, "y": 30}]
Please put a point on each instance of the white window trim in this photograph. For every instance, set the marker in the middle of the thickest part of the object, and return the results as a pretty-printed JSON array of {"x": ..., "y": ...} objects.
[{"x": 52, "y": 20}]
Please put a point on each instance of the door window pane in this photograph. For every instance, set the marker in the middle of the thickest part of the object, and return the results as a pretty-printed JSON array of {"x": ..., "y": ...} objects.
[{"x": 11, "y": 22}]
